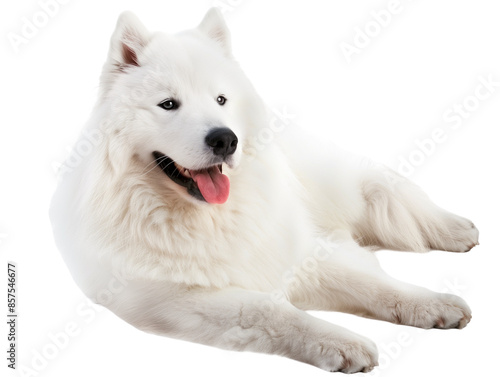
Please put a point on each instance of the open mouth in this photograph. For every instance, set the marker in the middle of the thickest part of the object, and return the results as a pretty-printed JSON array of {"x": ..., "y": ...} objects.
[{"x": 207, "y": 184}]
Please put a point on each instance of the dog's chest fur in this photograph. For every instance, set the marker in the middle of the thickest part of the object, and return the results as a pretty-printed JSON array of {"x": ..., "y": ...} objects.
[{"x": 250, "y": 242}]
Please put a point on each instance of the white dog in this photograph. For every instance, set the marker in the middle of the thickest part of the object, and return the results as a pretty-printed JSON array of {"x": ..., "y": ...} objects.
[{"x": 174, "y": 223}]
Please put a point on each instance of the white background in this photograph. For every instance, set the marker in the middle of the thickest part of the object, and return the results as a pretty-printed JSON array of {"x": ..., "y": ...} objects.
[{"x": 393, "y": 92}]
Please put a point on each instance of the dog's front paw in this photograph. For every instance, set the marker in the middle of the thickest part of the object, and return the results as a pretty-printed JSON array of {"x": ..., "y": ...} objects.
[
  {"x": 441, "y": 311},
  {"x": 347, "y": 354},
  {"x": 451, "y": 312},
  {"x": 457, "y": 235}
]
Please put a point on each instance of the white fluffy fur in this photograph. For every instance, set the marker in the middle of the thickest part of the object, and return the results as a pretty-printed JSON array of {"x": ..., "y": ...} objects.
[{"x": 290, "y": 237}]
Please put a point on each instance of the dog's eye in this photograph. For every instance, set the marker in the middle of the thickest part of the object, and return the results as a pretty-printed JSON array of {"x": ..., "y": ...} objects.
[
  {"x": 221, "y": 100},
  {"x": 169, "y": 104}
]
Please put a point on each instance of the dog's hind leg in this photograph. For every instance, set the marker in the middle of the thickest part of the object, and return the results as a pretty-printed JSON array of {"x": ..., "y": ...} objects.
[
  {"x": 378, "y": 206},
  {"x": 399, "y": 215}
]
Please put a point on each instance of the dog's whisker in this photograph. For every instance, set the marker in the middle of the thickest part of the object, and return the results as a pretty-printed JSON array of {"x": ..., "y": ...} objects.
[{"x": 155, "y": 162}]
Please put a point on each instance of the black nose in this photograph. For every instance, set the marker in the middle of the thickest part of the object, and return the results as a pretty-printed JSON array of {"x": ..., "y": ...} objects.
[{"x": 223, "y": 141}]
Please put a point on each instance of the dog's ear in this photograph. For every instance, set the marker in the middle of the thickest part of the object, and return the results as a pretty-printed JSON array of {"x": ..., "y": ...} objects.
[
  {"x": 125, "y": 49},
  {"x": 128, "y": 40},
  {"x": 214, "y": 26}
]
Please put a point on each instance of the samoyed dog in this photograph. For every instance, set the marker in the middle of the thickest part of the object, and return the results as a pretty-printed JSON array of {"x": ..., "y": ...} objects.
[{"x": 175, "y": 223}]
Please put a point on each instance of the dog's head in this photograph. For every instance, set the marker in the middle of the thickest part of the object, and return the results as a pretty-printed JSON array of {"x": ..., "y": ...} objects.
[{"x": 180, "y": 103}]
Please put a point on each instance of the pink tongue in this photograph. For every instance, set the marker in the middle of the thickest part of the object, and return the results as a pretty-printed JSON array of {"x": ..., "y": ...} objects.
[{"x": 213, "y": 185}]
